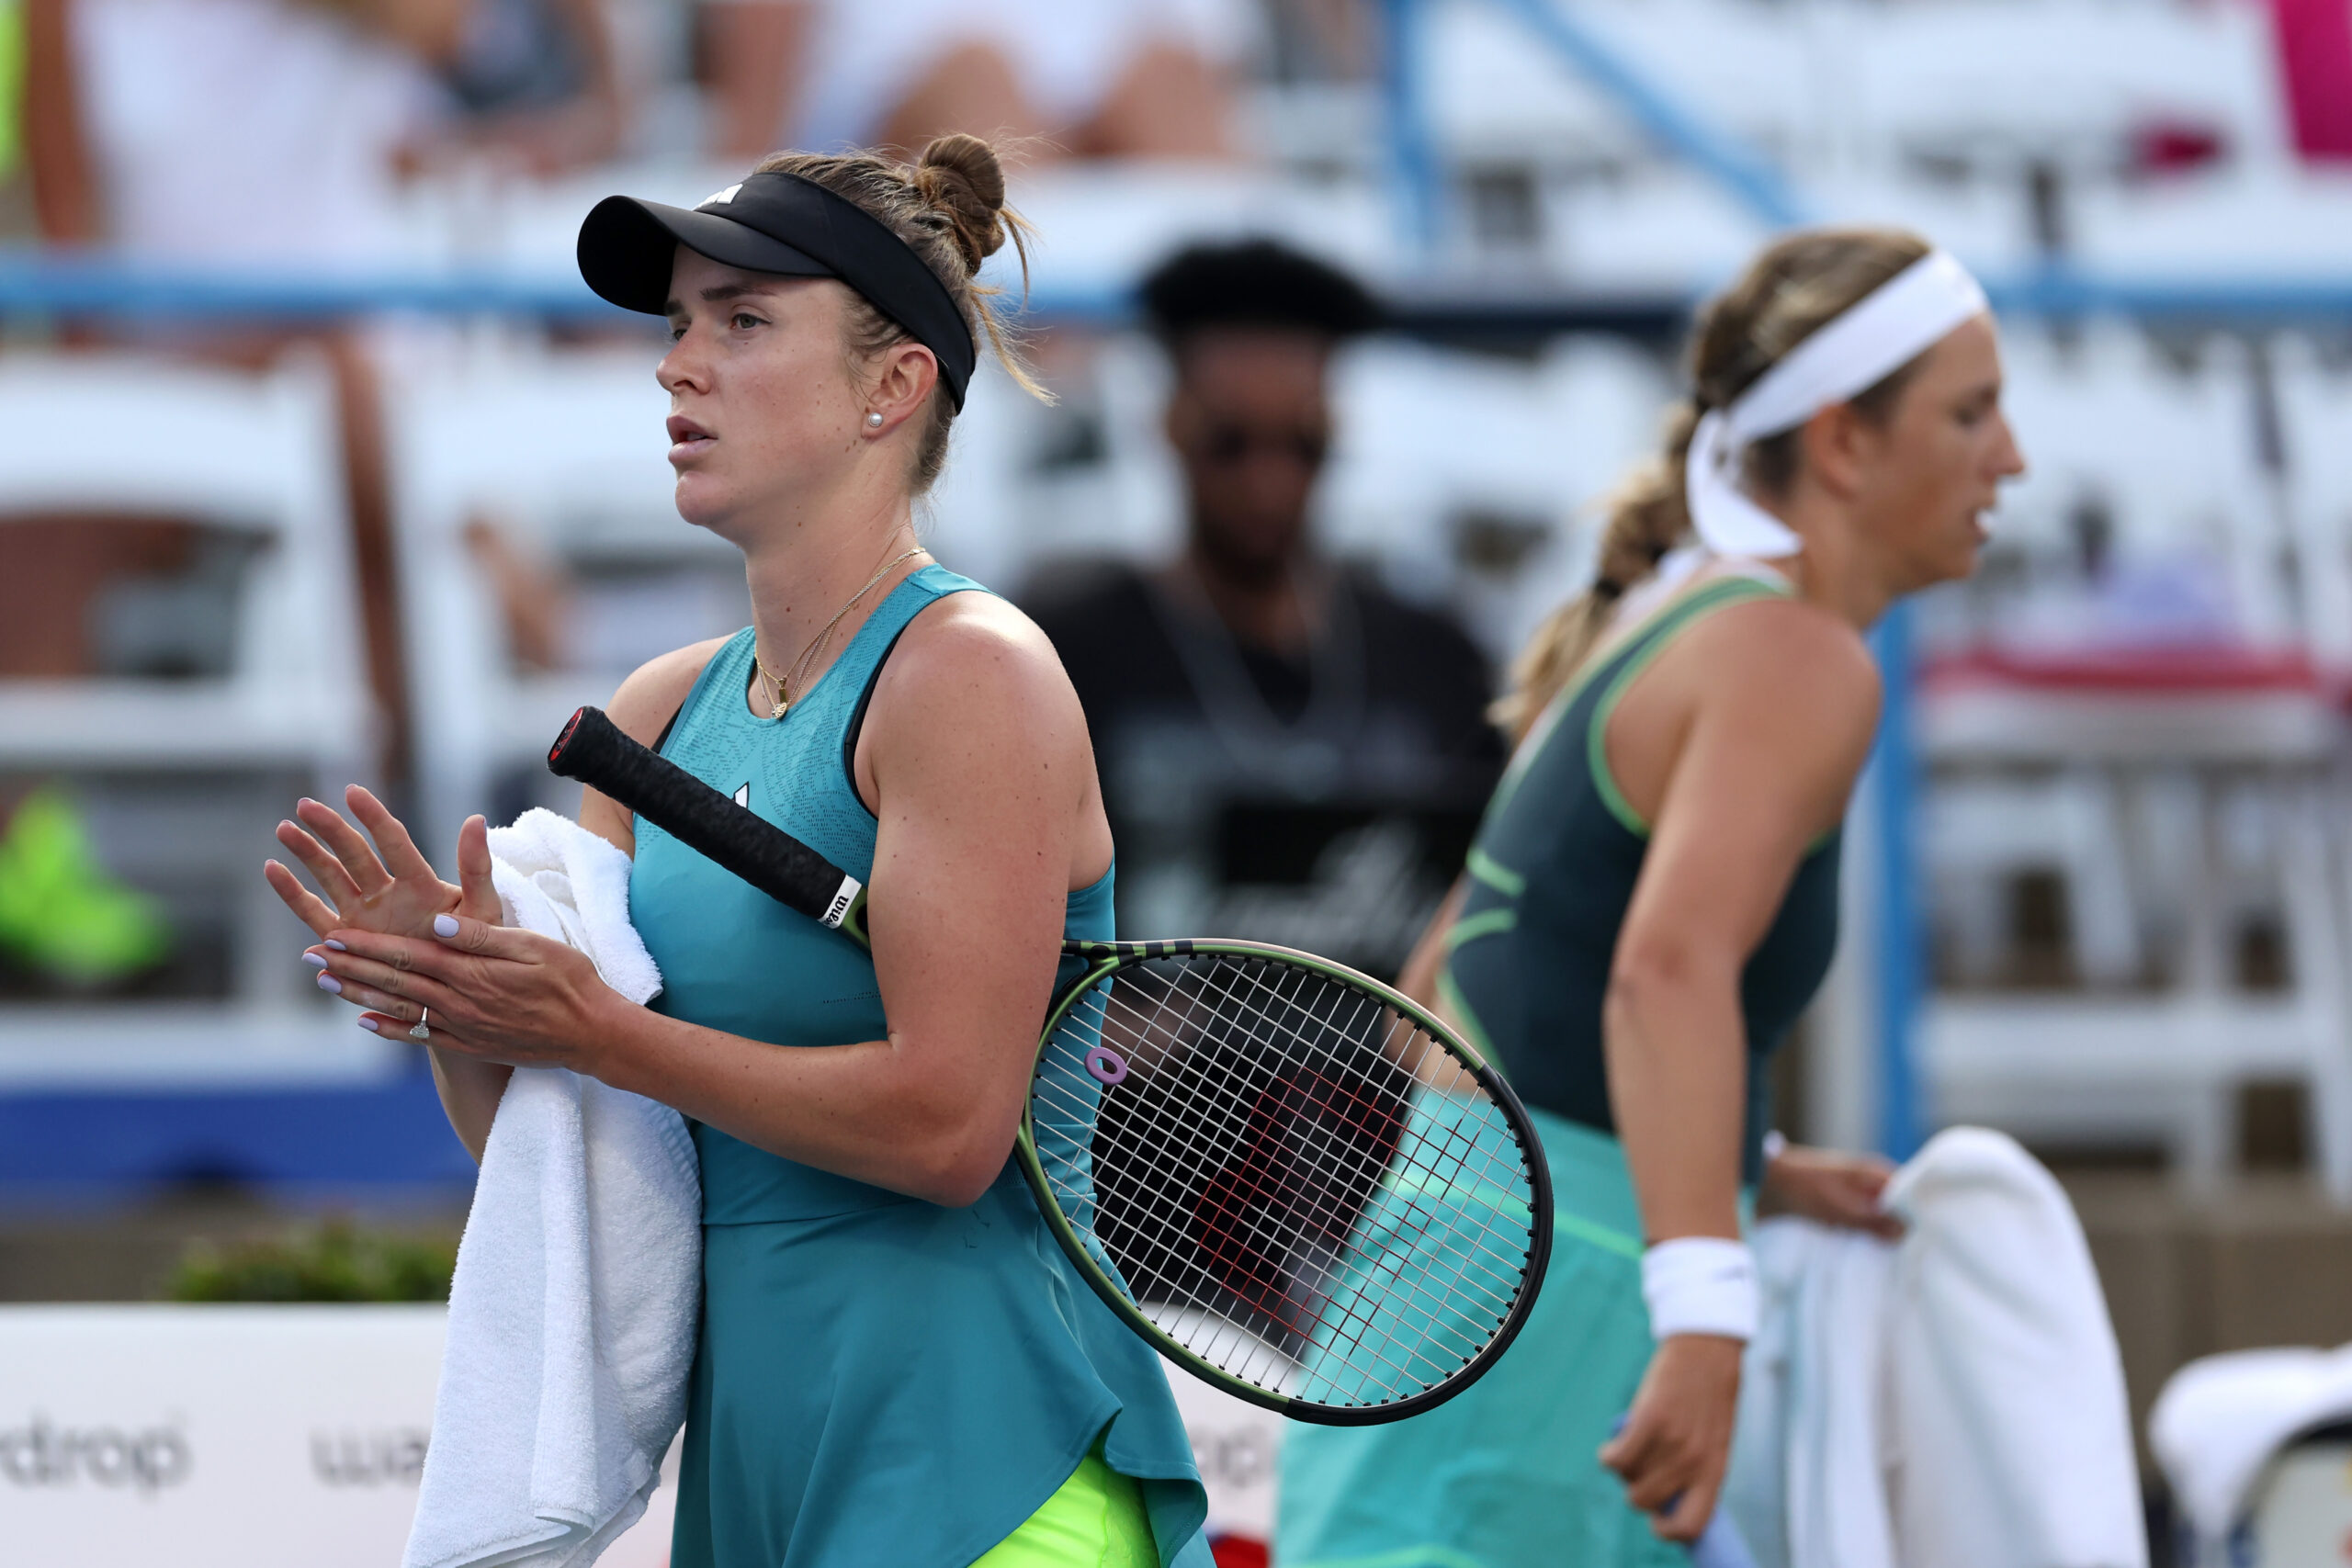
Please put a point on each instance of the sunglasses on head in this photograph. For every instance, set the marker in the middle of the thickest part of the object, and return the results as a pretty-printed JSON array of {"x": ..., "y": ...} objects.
[{"x": 1233, "y": 443}]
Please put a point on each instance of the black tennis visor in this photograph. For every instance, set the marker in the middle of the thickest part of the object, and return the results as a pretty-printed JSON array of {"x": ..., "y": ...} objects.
[{"x": 782, "y": 224}]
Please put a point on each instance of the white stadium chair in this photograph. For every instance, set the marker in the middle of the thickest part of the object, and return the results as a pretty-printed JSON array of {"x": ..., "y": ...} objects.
[
  {"x": 2169, "y": 456},
  {"x": 187, "y": 776},
  {"x": 2269, "y": 225},
  {"x": 1994, "y": 84},
  {"x": 2173, "y": 774}
]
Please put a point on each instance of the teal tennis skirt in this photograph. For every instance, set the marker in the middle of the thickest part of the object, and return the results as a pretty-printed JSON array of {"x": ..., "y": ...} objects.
[{"x": 1506, "y": 1473}]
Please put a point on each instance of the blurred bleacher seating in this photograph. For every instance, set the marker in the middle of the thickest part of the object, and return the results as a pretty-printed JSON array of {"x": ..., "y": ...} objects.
[
  {"x": 213, "y": 699},
  {"x": 2131, "y": 720}
]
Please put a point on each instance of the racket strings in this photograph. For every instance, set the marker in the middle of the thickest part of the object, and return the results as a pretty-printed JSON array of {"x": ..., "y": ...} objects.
[
  {"x": 1172, "y": 1136},
  {"x": 1277, "y": 1115},
  {"x": 1422, "y": 1374},
  {"x": 1169, "y": 1145},
  {"x": 1494, "y": 1169},
  {"x": 1325, "y": 1019},
  {"x": 1305, "y": 1292},
  {"x": 1360, "y": 1174},
  {"x": 1427, "y": 1044}
]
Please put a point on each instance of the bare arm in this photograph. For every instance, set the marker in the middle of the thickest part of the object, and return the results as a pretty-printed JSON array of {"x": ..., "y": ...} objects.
[
  {"x": 1784, "y": 707},
  {"x": 471, "y": 1089},
  {"x": 988, "y": 815},
  {"x": 1741, "y": 744}
]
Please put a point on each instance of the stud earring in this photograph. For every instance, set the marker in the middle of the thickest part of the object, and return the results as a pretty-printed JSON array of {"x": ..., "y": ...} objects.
[{"x": 873, "y": 419}]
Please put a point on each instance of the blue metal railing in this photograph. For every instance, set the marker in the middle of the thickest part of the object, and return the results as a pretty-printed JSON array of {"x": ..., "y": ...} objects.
[
  {"x": 1413, "y": 161},
  {"x": 1758, "y": 185},
  {"x": 38, "y": 283}
]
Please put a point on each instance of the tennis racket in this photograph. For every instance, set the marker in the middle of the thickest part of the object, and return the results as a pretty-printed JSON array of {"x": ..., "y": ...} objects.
[{"x": 1288, "y": 1178}]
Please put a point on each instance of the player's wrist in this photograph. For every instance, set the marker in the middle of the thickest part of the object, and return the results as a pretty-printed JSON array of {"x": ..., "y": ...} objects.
[
  {"x": 1700, "y": 1285},
  {"x": 617, "y": 1046}
]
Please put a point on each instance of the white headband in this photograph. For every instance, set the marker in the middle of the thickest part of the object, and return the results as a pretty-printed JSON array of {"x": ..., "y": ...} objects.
[{"x": 1901, "y": 319}]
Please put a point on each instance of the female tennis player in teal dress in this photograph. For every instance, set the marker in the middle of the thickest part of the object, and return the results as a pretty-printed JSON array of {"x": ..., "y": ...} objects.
[
  {"x": 897, "y": 1365},
  {"x": 1652, "y": 899}
]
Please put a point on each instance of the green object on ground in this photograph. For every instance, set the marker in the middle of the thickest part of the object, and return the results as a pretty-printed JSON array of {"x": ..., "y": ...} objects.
[
  {"x": 335, "y": 1262},
  {"x": 62, "y": 914}
]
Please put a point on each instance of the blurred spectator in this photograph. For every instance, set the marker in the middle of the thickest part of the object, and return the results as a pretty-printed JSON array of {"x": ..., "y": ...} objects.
[
  {"x": 175, "y": 131},
  {"x": 178, "y": 127},
  {"x": 535, "y": 82},
  {"x": 1092, "y": 78},
  {"x": 275, "y": 133},
  {"x": 1288, "y": 752},
  {"x": 1318, "y": 40}
]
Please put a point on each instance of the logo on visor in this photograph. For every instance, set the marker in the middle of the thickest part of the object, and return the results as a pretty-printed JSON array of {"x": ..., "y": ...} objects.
[{"x": 723, "y": 197}]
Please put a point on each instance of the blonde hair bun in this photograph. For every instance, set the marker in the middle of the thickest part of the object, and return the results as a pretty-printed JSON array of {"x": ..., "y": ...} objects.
[{"x": 962, "y": 177}]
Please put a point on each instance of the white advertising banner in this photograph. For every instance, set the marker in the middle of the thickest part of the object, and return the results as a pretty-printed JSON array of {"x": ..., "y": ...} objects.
[
  {"x": 292, "y": 1437},
  {"x": 223, "y": 1437}
]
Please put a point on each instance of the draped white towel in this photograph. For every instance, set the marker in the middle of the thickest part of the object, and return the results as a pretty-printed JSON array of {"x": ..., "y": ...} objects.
[
  {"x": 1951, "y": 1400},
  {"x": 573, "y": 1315}
]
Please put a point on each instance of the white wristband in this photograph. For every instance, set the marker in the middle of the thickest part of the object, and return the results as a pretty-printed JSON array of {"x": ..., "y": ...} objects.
[{"x": 1700, "y": 1284}]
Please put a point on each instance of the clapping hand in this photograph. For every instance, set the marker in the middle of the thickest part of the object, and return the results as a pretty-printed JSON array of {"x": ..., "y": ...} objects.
[{"x": 386, "y": 887}]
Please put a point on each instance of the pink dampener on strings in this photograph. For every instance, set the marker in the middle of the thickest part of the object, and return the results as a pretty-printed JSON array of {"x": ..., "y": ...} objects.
[{"x": 1107, "y": 1064}]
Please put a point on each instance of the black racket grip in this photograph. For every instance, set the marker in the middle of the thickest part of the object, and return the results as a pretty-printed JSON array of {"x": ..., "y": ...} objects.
[{"x": 592, "y": 750}]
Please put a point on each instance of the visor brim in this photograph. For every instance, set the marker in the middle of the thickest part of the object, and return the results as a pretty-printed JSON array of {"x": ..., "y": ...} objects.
[{"x": 628, "y": 248}]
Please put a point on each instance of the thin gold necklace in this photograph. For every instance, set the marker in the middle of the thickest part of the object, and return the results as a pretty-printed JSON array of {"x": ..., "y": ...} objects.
[{"x": 779, "y": 693}]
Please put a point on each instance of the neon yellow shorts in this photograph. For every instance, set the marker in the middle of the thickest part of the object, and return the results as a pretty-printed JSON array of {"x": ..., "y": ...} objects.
[{"x": 1095, "y": 1520}]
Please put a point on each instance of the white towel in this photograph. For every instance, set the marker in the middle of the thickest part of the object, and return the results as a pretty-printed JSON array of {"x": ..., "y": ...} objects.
[
  {"x": 1955, "y": 1399},
  {"x": 2220, "y": 1419},
  {"x": 573, "y": 1314},
  {"x": 2011, "y": 1436},
  {"x": 1806, "y": 1484}
]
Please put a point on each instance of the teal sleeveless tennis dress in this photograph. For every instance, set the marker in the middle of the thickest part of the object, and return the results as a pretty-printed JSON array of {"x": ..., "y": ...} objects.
[
  {"x": 880, "y": 1380},
  {"x": 1505, "y": 1475}
]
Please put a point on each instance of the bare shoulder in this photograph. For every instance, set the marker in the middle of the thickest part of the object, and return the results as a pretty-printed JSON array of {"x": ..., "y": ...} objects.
[
  {"x": 1792, "y": 660},
  {"x": 978, "y": 655},
  {"x": 655, "y": 690}
]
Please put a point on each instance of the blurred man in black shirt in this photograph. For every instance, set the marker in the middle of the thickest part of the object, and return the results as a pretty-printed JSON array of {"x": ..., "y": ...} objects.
[{"x": 1289, "y": 752}]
